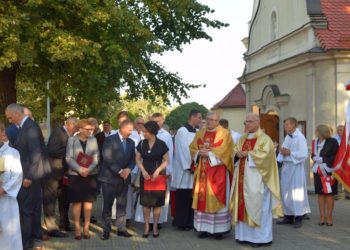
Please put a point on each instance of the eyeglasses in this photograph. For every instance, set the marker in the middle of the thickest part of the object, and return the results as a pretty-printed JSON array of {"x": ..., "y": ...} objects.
[
  {"x": 88, "y": 129},
  {"x": 140, "y": 123},
  {"x": 249, "y": 121},
  {"x": 212, "y": 120}
]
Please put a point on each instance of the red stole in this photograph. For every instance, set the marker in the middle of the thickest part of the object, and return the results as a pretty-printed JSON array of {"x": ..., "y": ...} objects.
[
  {"x": 248, "y": 145},
  {"x": 213, "y": 176}
]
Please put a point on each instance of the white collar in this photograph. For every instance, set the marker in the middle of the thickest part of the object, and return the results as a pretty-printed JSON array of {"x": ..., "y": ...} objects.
[
  {"x": 120, "y": 136},
  {"x": 251, "y": 135},
  {"x": 23, "y": 121},
  {"x": 65, "y": 129}
]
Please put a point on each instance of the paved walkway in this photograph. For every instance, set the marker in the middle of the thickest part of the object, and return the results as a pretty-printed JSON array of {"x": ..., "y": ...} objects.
[{"x": 310, "y": 236}]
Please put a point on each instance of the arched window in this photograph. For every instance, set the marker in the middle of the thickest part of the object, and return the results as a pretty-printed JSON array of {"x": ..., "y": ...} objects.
[{"x": 273, "y": 26}]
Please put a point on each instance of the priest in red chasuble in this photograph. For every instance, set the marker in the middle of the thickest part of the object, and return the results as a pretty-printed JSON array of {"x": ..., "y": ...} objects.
[
  {"x": 211, "y": 151},
  {"x": 255, "y": 195}
]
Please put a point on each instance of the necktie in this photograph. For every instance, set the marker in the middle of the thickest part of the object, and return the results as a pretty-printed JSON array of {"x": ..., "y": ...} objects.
[
  {"x": 124, "y": 144},
  {"x": 290, "y": 135}
]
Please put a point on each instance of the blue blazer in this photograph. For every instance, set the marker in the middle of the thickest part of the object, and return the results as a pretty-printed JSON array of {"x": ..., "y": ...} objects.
[{"x": 115, "y": 159}]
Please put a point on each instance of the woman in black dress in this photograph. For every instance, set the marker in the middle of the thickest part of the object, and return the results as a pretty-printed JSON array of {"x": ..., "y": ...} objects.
[
  {"x": 151, "y": 159},
  {"x": 324, "y": 151}
]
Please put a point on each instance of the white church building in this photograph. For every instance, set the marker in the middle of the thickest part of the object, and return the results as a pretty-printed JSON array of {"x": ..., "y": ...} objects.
[{"x": 297, "y": 60}]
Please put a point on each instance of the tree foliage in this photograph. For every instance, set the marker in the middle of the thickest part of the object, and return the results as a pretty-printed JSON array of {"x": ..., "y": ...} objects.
[
  {"x": 141, "y": 107},
  {"x": 92, "y": 50},
  {"x": 178, "y": 116}
]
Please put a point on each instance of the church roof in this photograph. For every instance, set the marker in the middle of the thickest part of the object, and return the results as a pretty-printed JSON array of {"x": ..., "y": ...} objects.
[
  {"x": 337, "y": 34},
  {"x": 234, "y": 99}
]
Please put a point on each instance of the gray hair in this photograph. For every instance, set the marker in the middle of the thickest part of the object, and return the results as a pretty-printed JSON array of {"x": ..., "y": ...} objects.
[
  {"x": 14, "y": 108},
  {"x": 210, "y": 113},
  {"x": 254, "y": 115},
  {"x": 72, "y": 120}
]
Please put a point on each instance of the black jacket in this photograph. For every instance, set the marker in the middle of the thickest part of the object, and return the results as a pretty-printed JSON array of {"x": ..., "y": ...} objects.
[
  {"x": 328, "y": 151},
  {"x": 30, "y": 144},
  {"x": 56, "y": 148}
]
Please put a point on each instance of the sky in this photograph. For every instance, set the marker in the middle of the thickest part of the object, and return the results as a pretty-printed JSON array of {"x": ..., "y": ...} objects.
[{"x": 219, "y": 63}]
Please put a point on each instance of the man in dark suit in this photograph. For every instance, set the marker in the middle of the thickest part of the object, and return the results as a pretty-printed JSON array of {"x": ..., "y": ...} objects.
[
  {"x": 118, "y": 161},
  {"x": 101, "y": 136},
  {"x": 12, "y": 130},
  {"x": 54, "y": 186},
  {"x": 30, "y": 144}
]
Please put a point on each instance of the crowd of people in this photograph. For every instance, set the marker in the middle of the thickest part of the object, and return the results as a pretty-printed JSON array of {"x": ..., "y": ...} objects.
[{"x": 214, "y": 178}]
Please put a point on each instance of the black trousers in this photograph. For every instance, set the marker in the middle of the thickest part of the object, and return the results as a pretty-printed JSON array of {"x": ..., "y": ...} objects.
[
  {"x": 29, "y": 202},
  {"x": 54, "y": 190},
  {"x": 110, "y": 193},
  {"x": 184, "y": 213},
  {"x": 293, "y": 218}
]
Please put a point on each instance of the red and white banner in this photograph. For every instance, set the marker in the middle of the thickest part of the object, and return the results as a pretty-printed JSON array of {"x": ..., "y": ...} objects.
[{"x": 342, "y": 159}]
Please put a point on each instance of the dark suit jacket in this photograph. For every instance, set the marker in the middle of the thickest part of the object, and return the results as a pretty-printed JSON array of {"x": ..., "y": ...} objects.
[
  {"x": 115, "y": 159},
  {"x": 56, "y": 149},
  {"x": 32, "y": 150},
  {"x": 11, "y": 133},
  {"x": 100, "y": 137},
  {"x": 329, "y": 151}
]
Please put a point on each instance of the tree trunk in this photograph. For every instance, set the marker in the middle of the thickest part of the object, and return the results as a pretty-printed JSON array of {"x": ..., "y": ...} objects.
[{"x": 7, "y": 89}]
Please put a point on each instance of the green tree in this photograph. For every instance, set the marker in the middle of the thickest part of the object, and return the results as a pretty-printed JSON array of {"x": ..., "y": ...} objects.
[
  {"x": 135, "y": 108},
  {"x": 178, "y": 116},
  {"x": 91, "y": 50}
]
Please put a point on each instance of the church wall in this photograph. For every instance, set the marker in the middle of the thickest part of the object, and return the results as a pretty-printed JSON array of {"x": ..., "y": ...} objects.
[
  {"x": 325, "y": 89},
  {"x": 235, "y": 117},
  {"x": 342, "y": 97},
  {"x": 290, "y": 15}
]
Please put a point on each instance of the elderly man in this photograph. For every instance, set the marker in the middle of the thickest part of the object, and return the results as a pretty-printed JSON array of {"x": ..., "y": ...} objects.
[
  {"x": 30, "y": 144},
  {"x": 211, "y": 151},
  {"x": 255, "y": 193},
  {"x": 339, "y": 134},
  {"x": 54, "y": 187}
]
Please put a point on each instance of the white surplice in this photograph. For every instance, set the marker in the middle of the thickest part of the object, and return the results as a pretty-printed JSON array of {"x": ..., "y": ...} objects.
[
  {"x": 10, "y": 229},
  {"x": 182, "y": 178},
  {"x": 235, "y": 136},
  {"x": 254, "y": 185},
  {"x": 166, "y": 137},
  {"x": 293, "y": 177}
]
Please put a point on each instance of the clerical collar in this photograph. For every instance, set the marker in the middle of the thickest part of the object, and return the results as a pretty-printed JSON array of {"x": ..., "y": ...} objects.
[
  {"x": 251, "y": 135},
  {"x": 190, "y": 128}
]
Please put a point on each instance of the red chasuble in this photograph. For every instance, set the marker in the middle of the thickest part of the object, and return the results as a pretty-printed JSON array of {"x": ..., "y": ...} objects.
[
  {"x": 248, "y": 145},
  {"x": 213, "y": 176}
]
